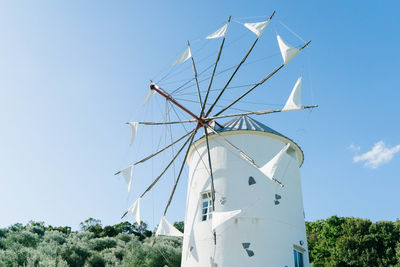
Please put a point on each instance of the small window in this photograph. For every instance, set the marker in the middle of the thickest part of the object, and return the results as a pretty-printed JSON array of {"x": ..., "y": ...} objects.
[
  {"x": 206, "y": 206},
  {"x": 298, "y": 258}
]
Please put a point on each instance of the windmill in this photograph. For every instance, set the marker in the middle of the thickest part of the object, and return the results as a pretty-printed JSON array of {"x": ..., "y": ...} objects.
[{"x": 244, "y": 203}]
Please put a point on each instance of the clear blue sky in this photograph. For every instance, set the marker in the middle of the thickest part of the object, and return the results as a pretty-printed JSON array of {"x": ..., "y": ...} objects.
[{"x": 72, "y": 72}]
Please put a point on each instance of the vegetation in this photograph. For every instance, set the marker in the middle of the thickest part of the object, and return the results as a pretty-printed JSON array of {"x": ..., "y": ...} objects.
[
  {"x": 343, "y": 242},
  {"x": 123, "y": 244},
  {"x": 336, "y": 241}
]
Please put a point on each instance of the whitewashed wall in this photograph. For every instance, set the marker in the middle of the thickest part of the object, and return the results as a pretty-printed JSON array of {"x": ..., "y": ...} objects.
[{"x": 272, "y": 230}]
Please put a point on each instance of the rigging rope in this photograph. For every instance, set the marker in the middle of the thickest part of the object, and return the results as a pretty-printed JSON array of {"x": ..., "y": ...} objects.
[
  {"x": 194, "y": 145},
  {"x": 203, "y": 58},
  {"x": 290, "y": 30}
]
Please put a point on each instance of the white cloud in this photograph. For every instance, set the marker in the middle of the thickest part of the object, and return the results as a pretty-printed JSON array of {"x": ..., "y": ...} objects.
[
  {"x": 378, "y": 155},
  {"x": 352, "y": 147}
]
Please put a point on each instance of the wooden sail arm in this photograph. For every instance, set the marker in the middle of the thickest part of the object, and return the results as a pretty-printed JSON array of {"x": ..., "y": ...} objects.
[
  {"x": 179, "y": 176},
  {"x": 261, "y": 112},
  {"x": 170, "y": 99},
  {"x": 164, "y": 123},
  {"x": 158, "y": 152},
  {"x": 176, "y": 182},
  {"x": 258, "y": 84},
  {"x": 213, "y": 72},
  {"x": 210, "y": 166},
  {"x": 166, "y": 168},
  {"x": 244, "y": 155},
  {"x": 195, "y": 77},
  {"x": 212, "y": 178},
  {"x": 236, "y": 70},
  {"x": 169, "y": 165}
]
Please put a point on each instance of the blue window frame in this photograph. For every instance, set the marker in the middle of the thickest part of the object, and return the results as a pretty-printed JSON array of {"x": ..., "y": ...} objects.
[
  {"x": 206, "y": 206},
  {"x": 298, "y": 258}
]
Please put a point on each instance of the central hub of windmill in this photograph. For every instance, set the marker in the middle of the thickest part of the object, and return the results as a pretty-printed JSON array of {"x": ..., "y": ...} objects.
[{"x": 201, "y": 121}]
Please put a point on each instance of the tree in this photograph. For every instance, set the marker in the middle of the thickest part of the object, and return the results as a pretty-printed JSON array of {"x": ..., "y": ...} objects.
[
  {"x": 88, "y": 223},
  {"x": 92, "y": 225},
  {"x": 180, "y": 226}
]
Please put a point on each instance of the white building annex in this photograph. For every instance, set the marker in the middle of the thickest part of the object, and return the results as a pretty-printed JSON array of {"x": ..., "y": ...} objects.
[{"x": 270, "y": 228}]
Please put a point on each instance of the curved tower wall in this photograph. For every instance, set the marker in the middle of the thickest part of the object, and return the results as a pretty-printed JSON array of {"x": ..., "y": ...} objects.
[{"x": 266, "y": 232}]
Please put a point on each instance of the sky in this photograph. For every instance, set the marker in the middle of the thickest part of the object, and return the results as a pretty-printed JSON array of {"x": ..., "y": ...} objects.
[{"x": 73, "y": 72}]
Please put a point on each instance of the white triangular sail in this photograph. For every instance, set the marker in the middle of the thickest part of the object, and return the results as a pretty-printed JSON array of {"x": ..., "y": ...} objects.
[
  {"x": 258, "y": 27},
  {"x": 220, "y": 217},
  {"x": 135, "y": 210},
  {"x": 127, "y": 174},
  {"x": 149, "y": 95},
  {"x": 288, "y": 52},
  {"x": 219, "y": 33},
  {"x": 167, "y": 229},
  {"x": 270, "y": 168},
  {"x": 185, "y": 56},
  {"x": 294, "y": 100},
  {"x": 133, "y": 131}
]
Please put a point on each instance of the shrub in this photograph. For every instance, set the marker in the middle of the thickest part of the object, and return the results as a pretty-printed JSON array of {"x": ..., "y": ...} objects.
[{"x": 102, "y": 243}]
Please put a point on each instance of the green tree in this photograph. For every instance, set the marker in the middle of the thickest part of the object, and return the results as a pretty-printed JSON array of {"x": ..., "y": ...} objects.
[{"x": 180, "y": 226}]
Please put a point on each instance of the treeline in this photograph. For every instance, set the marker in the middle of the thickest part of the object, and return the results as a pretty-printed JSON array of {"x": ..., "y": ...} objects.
[
  {"x": 342, "y": 242},
  {"x": 123, "y": 244},
  {"x": 336, "y": 241}
]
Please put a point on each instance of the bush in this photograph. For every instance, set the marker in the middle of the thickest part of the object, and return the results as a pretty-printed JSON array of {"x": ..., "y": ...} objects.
[
  {"x": 23, "y": 238},
  {"x": 96, "y": 261},
  {"x": 74, "y": 254},
  {"x": 100, "y": 244},
  {"x": 55, "y": 236}
]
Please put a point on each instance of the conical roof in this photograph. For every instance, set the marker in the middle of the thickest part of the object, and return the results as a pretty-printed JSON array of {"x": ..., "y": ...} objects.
[{"x": 246, "y": 123}]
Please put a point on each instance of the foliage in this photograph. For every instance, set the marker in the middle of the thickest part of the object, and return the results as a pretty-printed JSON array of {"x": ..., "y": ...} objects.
[
  {"x": 353, "y": 242},
  {"x": 335, "y": 241},
  {"x": 123, "y": 244},
  {"x": 180, "y": 226}
]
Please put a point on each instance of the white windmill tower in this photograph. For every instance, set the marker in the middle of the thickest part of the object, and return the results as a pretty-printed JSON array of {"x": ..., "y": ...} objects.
[
  {"x": 244, "y": 202},
  {"x": 256, "y": 221}
]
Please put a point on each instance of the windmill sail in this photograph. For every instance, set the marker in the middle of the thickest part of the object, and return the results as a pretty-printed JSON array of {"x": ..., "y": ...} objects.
[
  {"x": 219, "y": 33},
  {"x": 133, "y": 131},
  {"x": 219, "y": 218},
  {"x": 135, "y": 210},
  {"x": 288, "y": 52},
  {"x": 258, "y": 27},
  {"x": 127, "y": 174},
  {"x": 149, "y": 95},
  {"x": 294, "y": 101},
  {"x": 182, "y": 58},
  {"x": 167, "y": 229},
  {"x": 270, "y": 168}
]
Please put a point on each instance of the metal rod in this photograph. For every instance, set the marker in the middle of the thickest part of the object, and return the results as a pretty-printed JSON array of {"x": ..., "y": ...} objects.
[
  {"x": 166, "y": 168},
  {"x": 244, "y": 156},
  {"x": 158, "y": 152},
  {"x": 126, "y": 212},
  {"x": 177, "y": 180},
  {"x": 215, "y": 67},
  {"x": 195, "y": 76},
  {"x": 261, "y": 112},
  {"x": 164, "y": 123},
  {"x": 258, "y": 84},
  {"x": 251, "y": 89},
  {"x": 179, "y": 175},
  {"x": 169, "y": 98},
  {"x": 237, "y": 68},
  {"x": 211, "y": 172}
]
